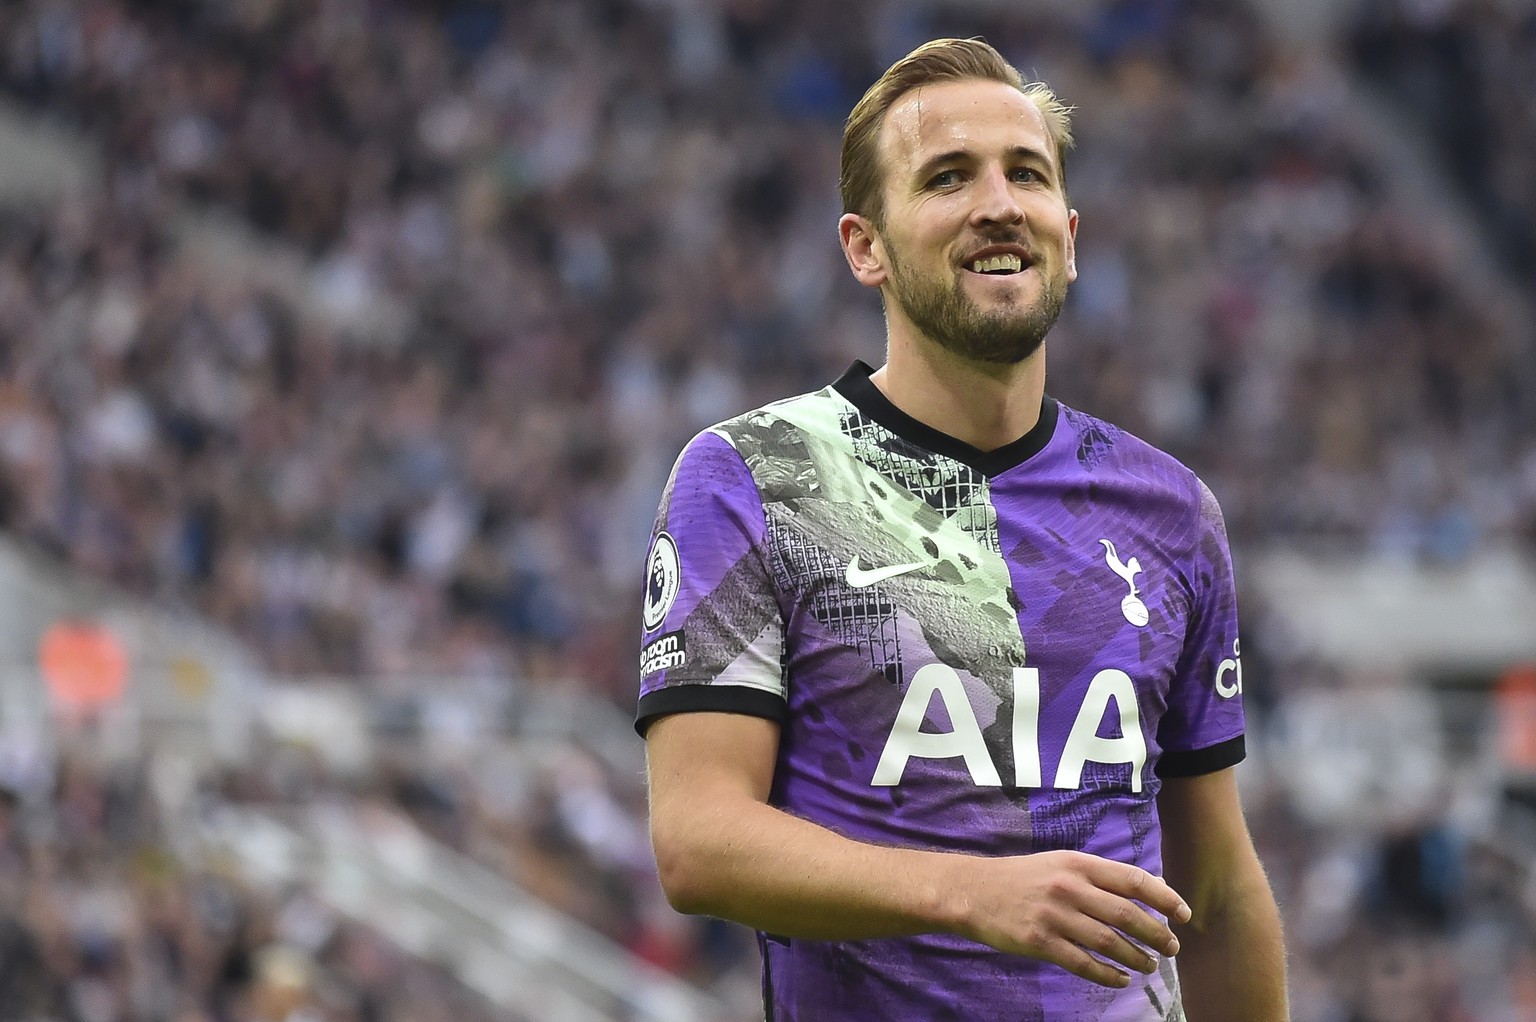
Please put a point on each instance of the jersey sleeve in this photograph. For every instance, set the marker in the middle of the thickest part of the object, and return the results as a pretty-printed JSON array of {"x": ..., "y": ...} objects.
[
  {"x": 713, "y": 630},
  {"x": 1202, "y": 730}
]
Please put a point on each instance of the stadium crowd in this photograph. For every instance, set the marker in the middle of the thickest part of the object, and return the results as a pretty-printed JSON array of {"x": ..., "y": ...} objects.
[
  {"x": 102, "y": 921},
  {"x": 1460, "y": 69},
  {"x": 104, "y": 916},
  {"x": 609, "y": 224}
]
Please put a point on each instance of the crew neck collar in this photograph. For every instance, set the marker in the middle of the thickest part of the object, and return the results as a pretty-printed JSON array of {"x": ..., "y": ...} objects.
[{"x": 861, "y": 392}]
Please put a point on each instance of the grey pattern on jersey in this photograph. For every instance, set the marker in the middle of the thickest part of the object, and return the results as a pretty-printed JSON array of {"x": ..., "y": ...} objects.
[
  {"x": 837, "y": 486},
  {"x": 953, "y": 489}
]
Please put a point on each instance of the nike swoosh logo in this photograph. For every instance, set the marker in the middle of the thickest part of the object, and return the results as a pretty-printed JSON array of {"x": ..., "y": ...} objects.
[{"x": 859, "y": 577}]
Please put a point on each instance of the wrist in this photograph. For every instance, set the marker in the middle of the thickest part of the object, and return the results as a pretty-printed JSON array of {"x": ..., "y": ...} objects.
[{"x": 949, "y": 904}]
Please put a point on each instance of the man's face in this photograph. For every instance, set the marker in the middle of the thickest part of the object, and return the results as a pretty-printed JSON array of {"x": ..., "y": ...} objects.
[{"x": 977, "y": 239}]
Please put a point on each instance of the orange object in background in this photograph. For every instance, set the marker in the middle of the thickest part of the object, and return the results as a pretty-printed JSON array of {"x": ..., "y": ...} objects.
[
  {"x": 83, "y": 664},
  {"x": 1515, "y": 698}
]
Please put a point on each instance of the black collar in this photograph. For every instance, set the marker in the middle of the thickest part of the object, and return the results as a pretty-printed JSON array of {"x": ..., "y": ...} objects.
[{"x": 861, "y": 392}]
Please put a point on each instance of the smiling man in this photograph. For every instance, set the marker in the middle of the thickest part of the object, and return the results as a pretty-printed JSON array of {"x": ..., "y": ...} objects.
[{"x": 940, "y": 678}]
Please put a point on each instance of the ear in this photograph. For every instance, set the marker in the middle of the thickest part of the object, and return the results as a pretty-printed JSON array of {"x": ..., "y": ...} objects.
[
  {"x": 1071, "y": 245},
  {"x": 863, "y": 249}
]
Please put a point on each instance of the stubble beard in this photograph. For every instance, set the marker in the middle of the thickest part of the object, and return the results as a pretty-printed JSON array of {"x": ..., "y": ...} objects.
[{"x": 952, "y": 319}]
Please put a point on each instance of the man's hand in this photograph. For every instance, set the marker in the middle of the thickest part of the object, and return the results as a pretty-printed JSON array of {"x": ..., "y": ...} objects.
[{"x": 1060, "y": 906}]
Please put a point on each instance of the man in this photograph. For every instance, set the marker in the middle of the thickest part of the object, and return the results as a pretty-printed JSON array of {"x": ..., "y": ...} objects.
[{"x": 941, "y": 677}]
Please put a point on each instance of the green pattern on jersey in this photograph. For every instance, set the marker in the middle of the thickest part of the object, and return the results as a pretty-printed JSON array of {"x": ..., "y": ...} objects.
[{"x": 837, "y": 486}]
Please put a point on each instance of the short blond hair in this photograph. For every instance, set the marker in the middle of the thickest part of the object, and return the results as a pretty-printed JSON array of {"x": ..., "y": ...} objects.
[{"x": 940, "y": 60}]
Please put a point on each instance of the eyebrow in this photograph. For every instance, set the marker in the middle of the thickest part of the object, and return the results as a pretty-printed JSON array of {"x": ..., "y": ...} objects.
[{"x": 1021, "y": 152}]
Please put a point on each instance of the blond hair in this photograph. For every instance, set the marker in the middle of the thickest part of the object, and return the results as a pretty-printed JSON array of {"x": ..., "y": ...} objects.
[{"x": 941, "y": 60}]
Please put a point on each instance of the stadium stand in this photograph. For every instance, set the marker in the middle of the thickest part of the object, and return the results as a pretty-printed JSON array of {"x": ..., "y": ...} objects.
[
  {"x": 541, "y": 245},
  {"x": 1459, "y": 70},
  {"x": 99, "y": 921}
]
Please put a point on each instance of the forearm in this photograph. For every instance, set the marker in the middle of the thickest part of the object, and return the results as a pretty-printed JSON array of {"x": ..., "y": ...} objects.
[
  {"x": 723, "y": 850},
  {"x": 762, "y": 867},
  {"x": 1232, "y": 961}
]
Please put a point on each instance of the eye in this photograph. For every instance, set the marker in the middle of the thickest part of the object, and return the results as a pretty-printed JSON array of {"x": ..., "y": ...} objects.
[
  {"x": 1025, "y": 175},
  {"x": 944, "y": 179}
]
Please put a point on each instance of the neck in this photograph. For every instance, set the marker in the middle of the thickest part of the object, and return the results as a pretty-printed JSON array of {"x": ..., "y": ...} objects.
[{"x": 983, "y": 404}]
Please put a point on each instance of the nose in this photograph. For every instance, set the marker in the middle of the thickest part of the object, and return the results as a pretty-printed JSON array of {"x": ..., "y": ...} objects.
[{"x": 995, "y": 200}]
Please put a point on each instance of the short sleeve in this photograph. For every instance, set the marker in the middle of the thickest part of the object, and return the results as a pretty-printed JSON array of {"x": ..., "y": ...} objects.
[
  {"x": 713, "y": 630},
  {"x": 1202, "y": 730}
]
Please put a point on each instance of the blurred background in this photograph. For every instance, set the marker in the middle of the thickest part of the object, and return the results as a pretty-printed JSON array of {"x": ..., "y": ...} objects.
[{"x": 345, "y": 346}]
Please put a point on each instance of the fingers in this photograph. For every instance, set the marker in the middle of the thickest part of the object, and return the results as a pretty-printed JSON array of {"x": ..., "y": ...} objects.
[
  {"x": 1125, "y": 916},
  {"x": 1137, "y": 884},
  {"x": 1106, "y": 941},
  {"x": 1089, "y": 947},
  {"x": 1080, "y": 963},
  {"x": 1110, "y": 926},
  {"x": 1094, "y": 917}
]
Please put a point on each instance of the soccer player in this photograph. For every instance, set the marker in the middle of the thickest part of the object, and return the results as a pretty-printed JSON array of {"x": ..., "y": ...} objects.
[{"x": 941, "y": 685}]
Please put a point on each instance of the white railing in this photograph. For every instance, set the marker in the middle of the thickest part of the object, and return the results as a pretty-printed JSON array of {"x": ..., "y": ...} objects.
[{"x": 518, "y": 953}]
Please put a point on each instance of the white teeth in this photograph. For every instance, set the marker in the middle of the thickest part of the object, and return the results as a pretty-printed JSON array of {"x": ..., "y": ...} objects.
[{"x": 1011, "y": 263}]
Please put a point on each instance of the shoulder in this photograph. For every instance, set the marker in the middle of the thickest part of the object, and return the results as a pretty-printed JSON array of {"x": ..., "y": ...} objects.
[
  {"x": 750, "y": 436},
  {"x": 760, "y": 456},
  {"x": 1105, "y": 450},
  {"x": 1154, "y": 479},
  {"x": 776, "y": 445},
  {"x": 785, "y": 424}
]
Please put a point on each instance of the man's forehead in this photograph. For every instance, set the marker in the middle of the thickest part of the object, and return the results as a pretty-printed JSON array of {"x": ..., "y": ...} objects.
[{"x": 961, "y": 115}]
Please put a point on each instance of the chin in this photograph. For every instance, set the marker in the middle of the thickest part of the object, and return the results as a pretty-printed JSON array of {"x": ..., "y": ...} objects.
[
  {"x": 1013, "y": 294},
  {"x": 1010, "y": 356}
]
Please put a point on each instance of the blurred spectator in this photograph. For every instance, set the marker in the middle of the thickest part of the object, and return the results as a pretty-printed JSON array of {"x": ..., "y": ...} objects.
[
  {"x": 1460, "y": 68},
  {"x": 99, "y": 921}
]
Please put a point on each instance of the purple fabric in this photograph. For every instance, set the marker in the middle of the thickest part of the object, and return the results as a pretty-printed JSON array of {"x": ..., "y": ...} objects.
[{"x": 1115, "y": 560}]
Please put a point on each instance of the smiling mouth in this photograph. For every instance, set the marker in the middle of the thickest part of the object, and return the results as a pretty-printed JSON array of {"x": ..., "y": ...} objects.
[{"x": 997, "y": 266}]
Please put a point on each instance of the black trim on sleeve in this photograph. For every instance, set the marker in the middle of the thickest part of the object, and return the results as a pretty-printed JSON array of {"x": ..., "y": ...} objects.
[
  {"x": 1203, "y": 761},
  {"x": 861, "y": 392},
  {"x": 705, "y": 698}
]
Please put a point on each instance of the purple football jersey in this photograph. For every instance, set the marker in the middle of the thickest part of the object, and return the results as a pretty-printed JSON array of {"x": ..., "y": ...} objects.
[{"x": 992, "y": 653}]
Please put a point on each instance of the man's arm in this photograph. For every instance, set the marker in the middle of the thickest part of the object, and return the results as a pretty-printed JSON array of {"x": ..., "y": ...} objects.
[
  {"x": 1233, "y": 963},
  {"x": 722, "y": 850}
]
